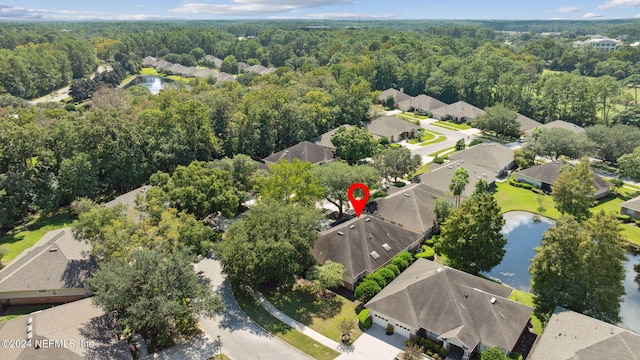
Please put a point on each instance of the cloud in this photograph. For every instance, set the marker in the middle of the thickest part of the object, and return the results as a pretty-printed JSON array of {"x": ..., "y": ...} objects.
[
  {"x": 591, "y": 15},
  {"x": 253, "y": 7},
  {"x": 20, "y": 13},
  {"x": 619, "y": 3},
  {"x": 350, "y": 16},
  {"x": 567, "y": 9}
]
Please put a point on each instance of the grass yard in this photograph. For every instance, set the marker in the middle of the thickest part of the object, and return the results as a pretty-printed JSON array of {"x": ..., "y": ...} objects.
[
  {"x": 285, "y": 332},
  {"x": 451, "y": 126},
  {"x": 427, "y": 137},
  {"x": 322, "y": 315},
  {"x": 527, "y": 299},
  {"x": 149, "y": 71},
  {"x": 17, "y": 311},
  {"x": 24, "y": 236},
  {"x": 437, "y": 153},
  {"x": 423, "y": 169},
  {"x": 434, "y": 141}
]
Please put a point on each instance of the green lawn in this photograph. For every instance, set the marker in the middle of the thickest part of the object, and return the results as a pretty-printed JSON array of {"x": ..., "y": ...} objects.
[
  {"x": 423, "y": 169},
  {"x": 322, "y": 315},
  {"x": 451, "y": 126},
  {"x": 415, "y": 116},
  {"x": 527, "y": 299},
  {"x": 149, "y": 71},
  {"x": 274, "y": 326},
  {"x": 427, "y": 137},
  {"x": 436, "y": 153},
  {"x": 24, "y": 236},
  {"x": 434, "y": 141},
  {"x": 17, "y": 311}
]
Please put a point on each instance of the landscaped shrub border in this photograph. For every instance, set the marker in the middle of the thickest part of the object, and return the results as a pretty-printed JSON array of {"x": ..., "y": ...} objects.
[
  {"x": 429, "y": 347},
  {"x": 364, "y": 317},
  {"x": 374, "y": 282}
]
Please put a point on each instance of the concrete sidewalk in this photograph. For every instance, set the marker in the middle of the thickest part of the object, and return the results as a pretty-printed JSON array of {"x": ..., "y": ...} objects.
[{"x": 294, "y": 323}]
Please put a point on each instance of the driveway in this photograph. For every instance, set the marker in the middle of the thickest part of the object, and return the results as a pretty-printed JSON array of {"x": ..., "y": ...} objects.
[
  {"x": 374, "y": 344},
  {"x": 452, "y": 137},
  {"x": 241, "y": 338}
]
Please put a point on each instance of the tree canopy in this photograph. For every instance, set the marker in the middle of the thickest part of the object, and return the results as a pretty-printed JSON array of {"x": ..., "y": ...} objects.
[
  {"x": 290, "y": 182},
  {"x": 336, "y": 177},
  {"x": 396, "y": 163},
  {"x": 573, "y": 190},
  {"x": 354, "y": 144},
  {"x": 500, "y": 120}
]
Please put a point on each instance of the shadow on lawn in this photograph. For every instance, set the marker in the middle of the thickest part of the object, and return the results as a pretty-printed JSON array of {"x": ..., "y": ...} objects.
[
  {"x": 302, "y": 303},
  {"x": 56, "y": 220}
]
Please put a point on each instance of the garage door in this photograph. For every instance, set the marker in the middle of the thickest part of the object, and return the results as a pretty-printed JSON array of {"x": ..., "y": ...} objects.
[
  {"x": 378, "y": 320},
  {"x": 401, "y": 330}
]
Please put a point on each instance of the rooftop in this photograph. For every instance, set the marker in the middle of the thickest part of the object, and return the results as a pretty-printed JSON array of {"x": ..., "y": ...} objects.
[
  {"x": 390, "y": 126},
  {"x": 303, "y": 151}
]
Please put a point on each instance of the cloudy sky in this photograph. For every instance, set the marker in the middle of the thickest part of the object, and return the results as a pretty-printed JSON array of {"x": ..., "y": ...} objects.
[{"x": 316, "y": 9}]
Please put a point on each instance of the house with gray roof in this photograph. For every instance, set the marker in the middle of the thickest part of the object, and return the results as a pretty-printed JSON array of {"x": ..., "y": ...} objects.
[
  {"x": 259, "y": 69},
  {"x": 421, "y": 104},
  {"x": 149, "y": 61},
  {"x": 363, "y": 245},
  {"x": 558, "y": 124},
  {"x": 393, "y": 128},
  {"x": 459, "y": 111},
  {"x": 631, "y": 208},
  {"x": 77, "y": 330},
  {"x": 439, "y": 176},
  {"x": 398, "y": 96},
  {"x": 54, "y": 270},
  {"x": 526, "y": 123},
  {"x": 410, "y": 207},
  {"x": 452, "y": 307},
  {"x": 545, "y": 175},
  {"x": 572, "y": 336},
  {"x": 216, "y": 61},
  {"x": 303, "y": 151},
  {"x": 494, "y": 157},
  {"x": 324, "y": 140},
  {"x": 162, "y": 65},
  {"x": 242, "y": 65}
]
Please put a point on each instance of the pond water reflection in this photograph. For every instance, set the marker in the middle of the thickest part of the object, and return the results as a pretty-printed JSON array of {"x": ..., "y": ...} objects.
[
  {"x": 151, "y": 82},
  {"x": 523, "y": 234}
]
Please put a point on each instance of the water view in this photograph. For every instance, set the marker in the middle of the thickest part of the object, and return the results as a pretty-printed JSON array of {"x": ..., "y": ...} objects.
[
  {"x": 151, "y": 82},
  {"x": 523, "y": 234}
]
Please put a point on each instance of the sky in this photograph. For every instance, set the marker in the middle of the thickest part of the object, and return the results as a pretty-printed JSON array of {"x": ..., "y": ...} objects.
[{"x": 317, "y": 9}]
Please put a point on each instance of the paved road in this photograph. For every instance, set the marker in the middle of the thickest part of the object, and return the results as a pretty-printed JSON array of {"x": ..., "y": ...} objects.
[
  {"x": 55, "y": 96},
  {"x": 452, "y": 137},
  {"x": 241, "y": 338}
]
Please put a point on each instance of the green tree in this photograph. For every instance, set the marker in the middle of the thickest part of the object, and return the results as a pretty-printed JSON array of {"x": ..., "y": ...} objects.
[
  {"x": 460, "y": 145},
  {"x": 580, "y": 266},
  {"x": 290, "y": 183},
  {"x": 614, "y": 141},
  {"x": 412, "y": 351},
  {"x": 573, "y": 191},
  {"x": 156, "y": 295},
  {"x": 481, "y": 187},
  {"x": 229, "y": 65},
  {"x": 271, "y": 244},
  {"x": 366, "y": 290},
  {"x": 336, "y": 177},
  {"x": 77, "y": 178},
  {"x": 471, "y": 236},
  {"x": 524, "y": 157},
  {"x": 4, "y": 250},
  {"x": 629, "y": 165},
  {"x": 329, "y": 275},
  {"x": 442, "y": 210},
  {"x": 500, "y": 120},
  {"x": 354, "y": 144},
  {"x": 555, "y": 142},
  {"x": 458, "y": 183},
  {"x": 493, "y": 353},
  {"x": 396, "y": 163}
]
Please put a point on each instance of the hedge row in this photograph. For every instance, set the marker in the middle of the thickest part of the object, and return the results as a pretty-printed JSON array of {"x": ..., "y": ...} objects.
[
  {"x": 374, "y": 282},
  {"x": 520, "y": 184}
]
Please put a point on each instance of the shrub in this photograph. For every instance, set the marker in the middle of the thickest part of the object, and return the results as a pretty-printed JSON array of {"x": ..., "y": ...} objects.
[
  {"x": 475, "y": 141},
  {"x": 70, "y": 107},
  {"x": 364, "y": 318},
  {"x": 379, "y": 279},
  {"x": 427, "y": 253},
  {"x": 394, "y": 269},
  {"x": 400, "y": 263},
  {"x": 526, "y": 186},
  {"x": 399, "y": 184},
  {"x": 438, "y": 160},
  {"x": 389, "y": 330},
  {"x": 387, "y": 274},
  {"x": 537, "y": 191},
  {"x": 515, "y": 355},
  {"x": 366, "y": 290},
  {"x": 624, "y": 218},
  {"x": 460, "y": 145},
  {"x": 430, "y": 242},
  {"x": 383, "y": 140},
  {"x": 395, "y": 146}
]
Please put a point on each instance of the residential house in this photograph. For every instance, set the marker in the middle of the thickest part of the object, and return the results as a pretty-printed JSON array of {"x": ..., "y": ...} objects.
[
  {"x": 324, "y": 140},
  {"x": 631, "y": 208},
  {"x": 393, "y": 128},
  {"x": 558, "y": 124},
  {"x": 494, "y": 157},
  {"x": 216, "y": 61},
  {"x": 600, "y": 42},
  {"x": 526, "y": 123},
  {"x": 544, "y": 176},
  {"x": 461, "y": 311},
  {"x": 77, "y": 330},
  {"x": 410, "y": 207},
  {"x": 242, "y": 65},
  {"x": 398, "y": 96},
  {"x": 303, "y": 151},
  {"x": 162, "y": 65},
  {"x": 363, "y": 245},
  {"x": 259, "y": 69},
  {"x": 149, "y": 61},
  {"x": 440, "y": 176},
  {"x": 459, "y": 111},
  {"x": 571, "y": 336},
  {"x": 421, "y": 104}
]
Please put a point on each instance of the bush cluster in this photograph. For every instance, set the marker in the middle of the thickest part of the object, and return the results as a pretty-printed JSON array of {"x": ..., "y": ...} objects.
[
  {"x": 374, "y": 282},
  {"x": 438, "y": 160},
  {"x": 427, "y": 253},
  {"x": 430, "y": 347},
  {"x": 364, "y": 317},
  {"x": 624, "y": 218},
  {"x": 520, "y": 184}
]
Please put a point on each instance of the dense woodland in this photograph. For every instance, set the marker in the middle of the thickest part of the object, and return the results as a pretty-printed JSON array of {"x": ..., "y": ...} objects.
[{"x": 50, "y": 154}]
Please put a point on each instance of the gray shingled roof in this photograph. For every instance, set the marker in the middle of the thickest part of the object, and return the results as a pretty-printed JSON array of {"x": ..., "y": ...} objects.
[
  {"x": 458, "y": 109},
  {"x": 353, "y": 248},
  {"x": 57, "y": 261},
  {"x": 559, "y": 124},
  {"x": 572, "y": 336},
  {"x": 390, "y": 125},
  {"x": 548, "y": 173},
  {"x": 492, "y": 156},
  {"x": 149, "y": 61},
  {"x": 440, "y": 176},
  {"x": 242, "y": 65},
  {"x": 398, "y": 96},
  {"x": 325, "y": 139},
  {"x": 453, "y": 304},
  {"x": 76, "y": 321},
  {"x": 162, "y": 65},
  {"x": 303, "y": 151},
  {"x": 633, "y": 204},
  {"x": 411, "y": 207},
  {"x": 421, "y": 102},
  {"x": 204, "y": 73},
  {"x": 215, "y": 60},
  {"x": 527, "y": 123}
]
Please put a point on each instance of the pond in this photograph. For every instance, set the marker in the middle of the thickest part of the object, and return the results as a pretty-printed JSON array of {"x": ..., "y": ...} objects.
[
  {"x": 523, "y": 234},
  {"x": 151, "y": 82}
]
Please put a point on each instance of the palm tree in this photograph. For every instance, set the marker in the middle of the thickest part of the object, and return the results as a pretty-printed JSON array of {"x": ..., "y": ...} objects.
[{"x": 459, "y": 182}]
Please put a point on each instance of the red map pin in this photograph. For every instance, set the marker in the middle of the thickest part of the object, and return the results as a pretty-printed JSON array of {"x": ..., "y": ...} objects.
[{"x": 358, "y": 204}]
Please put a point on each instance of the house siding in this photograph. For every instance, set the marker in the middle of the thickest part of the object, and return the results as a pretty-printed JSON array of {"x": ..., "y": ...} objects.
[
  {"x": 42, "y": 296},
  {"x": 528, "y": 180},
  {"x": 626, "y": 211},
  {"x": 601, "y": 193}
]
